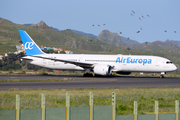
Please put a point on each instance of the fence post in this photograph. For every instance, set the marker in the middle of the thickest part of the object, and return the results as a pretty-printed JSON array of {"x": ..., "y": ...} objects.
[
  {"x": 67, "y": 105},
  {"x": 135, "y": 110},
  {"x": 91, "y": 106},
  {"x": 17, "y": 107},
  {"x": 177, "y": 109},
  {"x": 43, "y": 109},
  {"x": 113, "y": 106},
  {"x": 156, "y": 110}
]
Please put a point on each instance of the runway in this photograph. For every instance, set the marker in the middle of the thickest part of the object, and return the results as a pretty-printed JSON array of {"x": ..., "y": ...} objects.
[{"x": 77, "y": 81}]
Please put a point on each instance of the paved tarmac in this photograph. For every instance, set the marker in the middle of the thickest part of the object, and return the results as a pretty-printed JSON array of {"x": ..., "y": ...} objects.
[{"x": 77, "y": 81}]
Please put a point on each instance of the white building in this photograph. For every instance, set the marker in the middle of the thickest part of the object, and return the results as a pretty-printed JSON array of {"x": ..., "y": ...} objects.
[
  {"x": 1, "y": 57},
  {"x": 68, "y": 52}
]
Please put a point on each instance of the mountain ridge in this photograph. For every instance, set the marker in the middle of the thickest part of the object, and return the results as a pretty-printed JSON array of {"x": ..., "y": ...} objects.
[
  {"x": 110, "y": 38},
  {"x": 127, "y": 41},
  {"x": 83, "y": 33}
]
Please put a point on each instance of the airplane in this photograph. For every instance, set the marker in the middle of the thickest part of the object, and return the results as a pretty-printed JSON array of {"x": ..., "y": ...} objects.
[{"x": 102, "y": 65}]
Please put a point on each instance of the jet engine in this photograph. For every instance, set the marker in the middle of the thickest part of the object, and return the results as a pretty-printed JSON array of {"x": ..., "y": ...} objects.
[{"x": 102, "y": 69}]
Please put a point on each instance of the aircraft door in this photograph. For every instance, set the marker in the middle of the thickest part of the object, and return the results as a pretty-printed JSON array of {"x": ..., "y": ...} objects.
[
  {"x": 44, "y": 61},
  {"x": 157, "y": 63},
  {"x": 81, "y": 59}
]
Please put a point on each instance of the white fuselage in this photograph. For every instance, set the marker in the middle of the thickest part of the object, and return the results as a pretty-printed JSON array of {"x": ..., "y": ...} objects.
[{"x": 127, "y": 63}]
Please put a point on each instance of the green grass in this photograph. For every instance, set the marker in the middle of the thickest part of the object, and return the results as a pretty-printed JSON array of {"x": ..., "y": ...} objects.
[
  {"x": 40, "y": 72},
  {"x": 125, "y": 98}
]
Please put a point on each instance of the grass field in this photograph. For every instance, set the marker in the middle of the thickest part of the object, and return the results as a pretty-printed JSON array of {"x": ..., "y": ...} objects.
[
  {"x": 125, "y": 98},
  {"x": 55, "y": 72}
]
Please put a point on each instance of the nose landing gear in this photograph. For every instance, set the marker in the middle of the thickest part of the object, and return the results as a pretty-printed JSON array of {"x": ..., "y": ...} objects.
[{"x": 162, "y": 74}]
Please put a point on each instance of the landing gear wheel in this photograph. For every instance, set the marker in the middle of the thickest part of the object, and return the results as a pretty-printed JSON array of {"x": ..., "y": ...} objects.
[{"x": 161, "y": 76}]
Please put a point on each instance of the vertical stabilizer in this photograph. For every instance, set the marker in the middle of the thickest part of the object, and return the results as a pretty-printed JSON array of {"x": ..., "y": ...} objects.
[{"x": 30, "y": 46}]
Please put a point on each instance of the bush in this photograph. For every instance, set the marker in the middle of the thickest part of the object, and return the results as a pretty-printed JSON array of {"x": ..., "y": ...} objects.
[
  {"x": 44, "y": 73},
  {"x": 23, "y": 72},
  {"x": 10, "y": 72}
]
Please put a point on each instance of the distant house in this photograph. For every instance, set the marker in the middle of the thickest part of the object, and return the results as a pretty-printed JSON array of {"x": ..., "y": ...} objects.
[
  {"x": 22, "y": 47},
  {"x": 59, "y": 50},
  {"x": 68, "y": 52},
  {"x": 48, "y": 48},
  {"x": 19, "y": 49},
  {"x": 42, "y": 48},
  {"x": 1, "y": 57},
  {"x": 55, "y": 49},
  {"x": 16, "y": 52},
  {"x": 45, "y": 48}
]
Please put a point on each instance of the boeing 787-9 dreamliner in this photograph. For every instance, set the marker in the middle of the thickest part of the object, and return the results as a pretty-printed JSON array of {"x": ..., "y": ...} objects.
[{"x": 99, "y": 64}]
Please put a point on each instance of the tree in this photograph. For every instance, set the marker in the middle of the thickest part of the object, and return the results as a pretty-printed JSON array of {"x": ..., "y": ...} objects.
[{"x": 50, "y": 51}]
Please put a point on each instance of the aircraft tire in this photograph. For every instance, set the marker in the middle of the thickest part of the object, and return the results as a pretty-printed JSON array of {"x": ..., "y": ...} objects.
[{"x": 161, "y": 76}]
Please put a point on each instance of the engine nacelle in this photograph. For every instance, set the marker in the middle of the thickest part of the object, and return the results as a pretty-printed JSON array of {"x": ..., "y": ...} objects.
[
  {"x": 102, "y": 69},
  {"x": 123, "y": 73}
]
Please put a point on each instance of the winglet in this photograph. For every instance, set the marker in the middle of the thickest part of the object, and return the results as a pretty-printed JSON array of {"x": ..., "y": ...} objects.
[{"x": 30, "y": 46}]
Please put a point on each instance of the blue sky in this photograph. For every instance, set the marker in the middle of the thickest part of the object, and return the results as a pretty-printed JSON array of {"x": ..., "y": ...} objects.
[{"x": 115, "y": 14}]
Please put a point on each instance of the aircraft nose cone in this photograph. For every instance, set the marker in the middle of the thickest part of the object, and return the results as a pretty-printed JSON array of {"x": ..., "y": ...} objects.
[{"x": 174, "y": 67}]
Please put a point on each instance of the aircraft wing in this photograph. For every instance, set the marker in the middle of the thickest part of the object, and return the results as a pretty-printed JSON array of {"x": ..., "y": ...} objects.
[{"x": 78, "y": 63}]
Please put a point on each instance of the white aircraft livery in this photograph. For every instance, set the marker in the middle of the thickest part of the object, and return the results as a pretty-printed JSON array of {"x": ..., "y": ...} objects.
[{"x": 99, "y": 64}]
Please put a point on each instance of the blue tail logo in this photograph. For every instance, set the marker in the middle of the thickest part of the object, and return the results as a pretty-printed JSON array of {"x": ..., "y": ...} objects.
[{"x": 30, "y": 46}]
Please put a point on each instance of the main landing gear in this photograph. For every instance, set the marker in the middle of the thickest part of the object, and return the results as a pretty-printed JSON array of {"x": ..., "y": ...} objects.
[{"x": 87, "y": 73}]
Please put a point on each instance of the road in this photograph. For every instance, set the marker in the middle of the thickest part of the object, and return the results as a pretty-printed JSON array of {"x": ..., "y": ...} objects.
[{"x": 77, "y": 81}]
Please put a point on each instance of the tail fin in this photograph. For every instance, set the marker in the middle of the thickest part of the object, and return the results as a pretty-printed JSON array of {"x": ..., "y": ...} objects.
[{"x": 30, "y": 46}]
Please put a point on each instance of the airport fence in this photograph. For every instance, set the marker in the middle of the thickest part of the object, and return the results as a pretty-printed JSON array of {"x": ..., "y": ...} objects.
[{"x": 91, "y": 112}]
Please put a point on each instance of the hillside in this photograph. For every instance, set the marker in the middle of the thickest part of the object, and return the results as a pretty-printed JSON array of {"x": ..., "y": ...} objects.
[
  {"x": 74, "y": 39},
  {"x": 45, "y": 36},
  {"x": 128, "y": 41},
  {"x": 85, "y": 34},
  {"x": 177, "y": 43},
  {"x": 111, "y": 38}
]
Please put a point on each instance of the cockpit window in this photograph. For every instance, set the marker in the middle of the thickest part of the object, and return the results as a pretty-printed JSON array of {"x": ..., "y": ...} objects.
[{"x": 168, "y": 62}]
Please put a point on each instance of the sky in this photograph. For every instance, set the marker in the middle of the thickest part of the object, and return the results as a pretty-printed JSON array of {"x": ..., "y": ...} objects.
[{"x": 81, "y": 15}]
